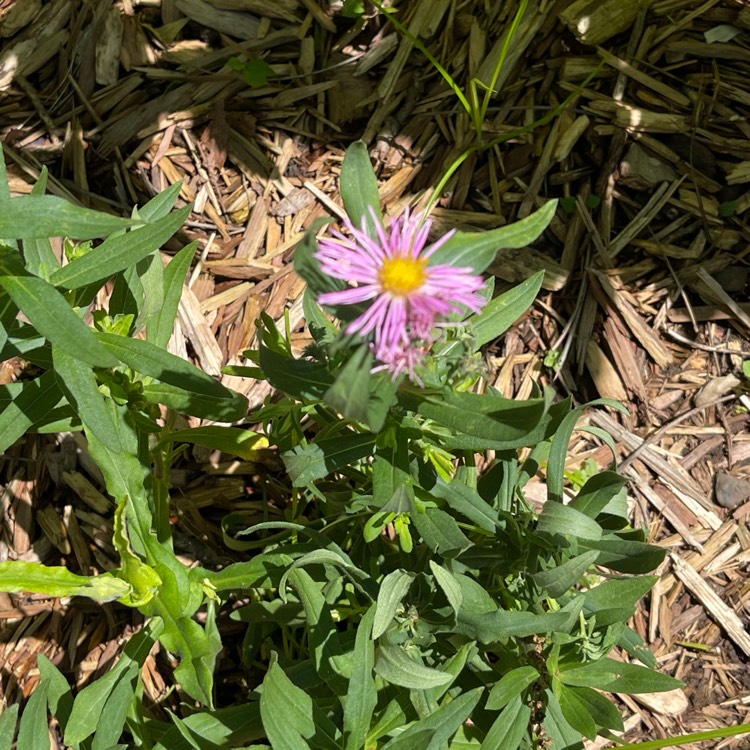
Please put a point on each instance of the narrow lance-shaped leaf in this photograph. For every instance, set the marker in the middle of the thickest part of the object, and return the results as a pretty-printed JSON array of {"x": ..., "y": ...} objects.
[
  {"x": 361, "y": 696},
  {"x": 148, "y": 359},
  {"x": 35, "y": 400},
  {"x": 477, "y": 250},
  {"x": 286, "y": 711},
  {"x": 89, "y": 703},
  {"x": 118, "y": 253},
  {"x": 78, "y": 382},
  {"x": 5, "y": 196},
  {"x": 38, "y": 255},
  {"x": 50, "y": 314},
  {"x": 231, "y": 440},
  {"x": 503, "y": 311},
  {"x": 392, "y": 591},
  {"x": 41, "y": 216},
  {"x": 33, "y": 732},
  {"x": 359, "y": 188},
  {"x": 16, "y": 576},
  {"x": 159, "y": 328},
  {"x": 161, "y": 204},
  {"x": 8, "y": 719}
]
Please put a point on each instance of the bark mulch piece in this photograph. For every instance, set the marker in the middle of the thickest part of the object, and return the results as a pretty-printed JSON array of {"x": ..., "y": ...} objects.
[{"x": 251, "y": 104}]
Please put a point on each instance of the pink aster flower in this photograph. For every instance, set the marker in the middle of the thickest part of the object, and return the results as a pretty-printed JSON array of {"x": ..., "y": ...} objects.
[{"x": 409, "y": 297}]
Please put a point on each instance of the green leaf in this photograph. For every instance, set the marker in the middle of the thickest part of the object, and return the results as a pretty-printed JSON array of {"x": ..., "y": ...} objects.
[
  {"x": 51, "y": 315},
  {"x": 314, "y": 461},
  {"x": 150, "y": 272},
  {"x": 16, "y": 576},
  {"x": 148, "y": 359},
  {"x": 161, "y": 204},
  {"x": 219, "y": 408},
  {"x": 476, "y": 250},
  {"x": 361, "y": 696},
  {"x": 31, "y": 403},
  {"x": 38, "y": 255},
  {"x": 193, "y": 740},
  {"x": 576, "y": 713},
  {"x": 297, "y": 377},
  {"x": 594, "y": 704},
  {"x": 90, "y": 702},
  {"x": 598, "y": 492},
  {"x": 322, "y": 637},
  {"x": 556, "y": 727},
  {"x": 9, "y": 716},
  {"x": 255, "y": 73},
  {"x": 42, "y": 216},
  {"x": 500, "y": 625},
  {"x": 33, "y": 731},
  {"x": 440, "y": 532},
  {"x": 307, "y": 267},
  {"x": 393, "y": 589},
  {"x": 617, "y": 593},
  {"x": 444, "y": 723},
  {"x": 59, "y": 695},
  {"x": 617, "y": 677},
  {"x": 359, "y": 188},
  {"x": 391, "y": 472},
  {"x": 160, "y": 327},
  {"x": 353, "y": 8},
  {"x": 77, "y": 381},
  {"x": 143, "y": 579},
  {"x": 5, "y": 196},
  {"x": 111, "y": 723},
  {"x": 450, "y": 586},
  {"x": 509, "y": 727},
  {"x": 557, "y": 518},
  {"x": 184, "y": 637},
  {"x": 358, "y": 394},
  {"x": 394, "y": 666},
  {"x": 503, "y": 311},
  {"x": 349, "y": 393},
  {"x": 626, "y": 555},
  {"x": 558, "y": 579},
  {"x": 231, "y": 440},
  {"x": 251, "y": 574},
  {"x": 487, "y": 421},
  {"x": 286, "y": 711},
  {"x": 119, "y": 252},
  {"x": 467, "y": 502},
  {"x": 8, "y": 313},
  {"x": 227, "y": 727},
  {"x": 511, "y": 685},
  {"x": 559, "y": 448}
]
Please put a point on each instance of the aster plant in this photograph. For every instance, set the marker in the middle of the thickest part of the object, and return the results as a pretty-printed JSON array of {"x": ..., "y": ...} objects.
[{"x": 429, "y": 604}]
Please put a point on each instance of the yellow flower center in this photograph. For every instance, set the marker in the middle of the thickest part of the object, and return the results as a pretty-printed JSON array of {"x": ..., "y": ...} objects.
[{"x": 401, "y": 276}]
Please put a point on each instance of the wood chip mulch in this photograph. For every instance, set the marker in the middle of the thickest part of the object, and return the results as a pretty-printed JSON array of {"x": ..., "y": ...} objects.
[{"x": 251, "y": 103}]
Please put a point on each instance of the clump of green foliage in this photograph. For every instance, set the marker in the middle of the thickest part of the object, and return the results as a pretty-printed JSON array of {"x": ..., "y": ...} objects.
[{"x": 405, "y": 599}]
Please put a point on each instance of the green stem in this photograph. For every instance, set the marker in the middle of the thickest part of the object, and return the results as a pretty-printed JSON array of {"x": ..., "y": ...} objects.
[
  {"x": 433, "y": 60},
  {"x": 711, "y": 734},
  {"x": 436, "y": 193},
  {"x": 490, "y": 90}
]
